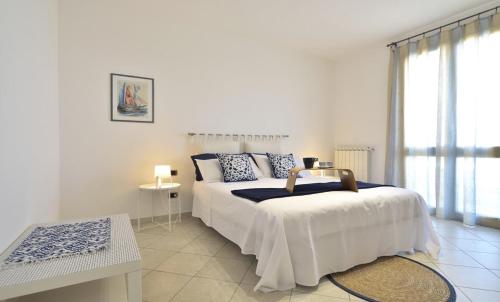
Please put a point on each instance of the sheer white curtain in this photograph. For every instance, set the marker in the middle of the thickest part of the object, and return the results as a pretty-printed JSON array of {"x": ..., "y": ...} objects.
[{"x": 444, "y": 120}]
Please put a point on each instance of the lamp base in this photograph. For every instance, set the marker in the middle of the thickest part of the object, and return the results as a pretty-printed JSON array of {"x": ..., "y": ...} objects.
[{"x": 158, "y": 182}]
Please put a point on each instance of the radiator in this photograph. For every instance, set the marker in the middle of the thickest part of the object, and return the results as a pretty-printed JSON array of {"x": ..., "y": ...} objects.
[{"x": 356, "y": 159}]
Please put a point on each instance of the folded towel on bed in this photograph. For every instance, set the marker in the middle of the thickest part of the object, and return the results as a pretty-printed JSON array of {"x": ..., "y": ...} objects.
[{"x": 260, "y": 194}]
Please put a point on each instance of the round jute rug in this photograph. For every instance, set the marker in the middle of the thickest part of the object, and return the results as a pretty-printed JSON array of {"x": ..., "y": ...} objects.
[{"x": 395, "y": 279}]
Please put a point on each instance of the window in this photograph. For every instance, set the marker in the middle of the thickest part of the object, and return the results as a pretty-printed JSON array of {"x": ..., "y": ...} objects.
[{"x": 452, "y": 119}]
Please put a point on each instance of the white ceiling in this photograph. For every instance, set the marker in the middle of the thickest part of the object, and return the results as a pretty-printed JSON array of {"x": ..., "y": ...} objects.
[{"x": 326, "y": 28}]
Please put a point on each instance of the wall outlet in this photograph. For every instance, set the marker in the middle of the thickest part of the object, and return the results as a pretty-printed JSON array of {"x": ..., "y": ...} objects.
[{"x": 174, "y": 194}]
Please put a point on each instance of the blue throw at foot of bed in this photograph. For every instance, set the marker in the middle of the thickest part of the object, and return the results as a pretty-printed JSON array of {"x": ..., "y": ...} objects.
[{"x": 260, "y": 194}]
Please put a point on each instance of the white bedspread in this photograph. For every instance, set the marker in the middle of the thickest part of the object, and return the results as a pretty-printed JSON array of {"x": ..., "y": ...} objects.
[{"x": 300, "y": 239}]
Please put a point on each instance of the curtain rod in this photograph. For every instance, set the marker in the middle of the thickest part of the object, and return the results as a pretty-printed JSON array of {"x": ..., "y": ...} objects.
[{"x": 442, "y": 26}]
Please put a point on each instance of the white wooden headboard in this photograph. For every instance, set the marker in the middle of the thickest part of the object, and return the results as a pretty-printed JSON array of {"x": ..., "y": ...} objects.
[{"x": 237, "y": 143}]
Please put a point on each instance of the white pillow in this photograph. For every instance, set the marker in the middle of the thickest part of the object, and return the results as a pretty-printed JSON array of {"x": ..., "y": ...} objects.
[
  {"x": 300, "y": 163},
  {"x": 258, "y": 173},
  {"x": 264, "y": 165},
  {"x": 210, "y": 170}
]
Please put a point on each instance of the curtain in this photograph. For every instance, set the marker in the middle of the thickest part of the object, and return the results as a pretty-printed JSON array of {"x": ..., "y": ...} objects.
[{"x": 443, "y": 107}]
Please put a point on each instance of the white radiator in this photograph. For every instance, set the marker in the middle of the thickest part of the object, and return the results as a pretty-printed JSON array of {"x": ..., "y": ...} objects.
[{"x": 356, "y": 159}]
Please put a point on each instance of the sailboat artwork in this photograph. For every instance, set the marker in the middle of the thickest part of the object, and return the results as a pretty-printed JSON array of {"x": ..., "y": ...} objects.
[
  {"x": 132, "y": 98},
  {"x": 130, "y": 101}
]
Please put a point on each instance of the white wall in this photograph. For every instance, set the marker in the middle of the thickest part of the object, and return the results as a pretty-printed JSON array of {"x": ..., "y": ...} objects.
[
  {"x": 206, "y": 79},
  {"x": 360, "y": 102},
  {"x": 29, "y": 116}
]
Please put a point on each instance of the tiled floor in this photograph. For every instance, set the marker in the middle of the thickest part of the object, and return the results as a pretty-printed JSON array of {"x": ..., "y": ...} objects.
[{"x": 195, "y": 263}]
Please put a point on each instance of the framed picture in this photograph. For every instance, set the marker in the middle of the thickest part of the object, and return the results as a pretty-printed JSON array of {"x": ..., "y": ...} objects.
[{"x": 132, "y": 98}]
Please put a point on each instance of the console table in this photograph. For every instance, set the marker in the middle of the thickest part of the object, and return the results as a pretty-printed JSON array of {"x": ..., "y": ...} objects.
[
  {"x": 346, "y": 178},
  {"x": 122, "y": 257}
]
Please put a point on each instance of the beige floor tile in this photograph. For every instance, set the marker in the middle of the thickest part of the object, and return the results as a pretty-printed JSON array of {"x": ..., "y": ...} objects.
[
  {"x": 477, "y": 295},
  {"x": 419, "y": 257},
  {"x": 184, "y": 233},
  {"x": 452, "y": 227},
  {"x": 461, "y": 297},
  {"x": 224, "y": 269},
  {"x": 489, "y": 235},
  {"x": 195, "y": 228},
  {"x": 471, "y": 245},
  {"x": 191, "y": 222},
  {"x": 145, "y": 222},
  {"x": 203, "y": 247},
  {"x": 456, "y": 233},
  {"x": 152, "y": 258},
  {"x": 250, "y": 277},
  {"x": 144, "y": 272},
  {"x": 170, "y": 242},
  {"x": 186, "y": 264},
  {"x": 198, "y": 226},
  {"x": 489, "y": 260},
  {"x": 324, "y": 288},
  {"x": 143, "y": 239},
  {"x": 479, "y": 228},
  {"x": 301, "y": 297},
  {"x": 456, "y": 258},
  {"x": 471, "y": 277},
  {"x": 496, "y": 272},
  {"x": 188, "y": 215},
  {"x": 446, "y": 245},
  {"x": 188, "y": 218},
  {"x": 160, "y": 286},
  {"x": 190, "y": 229},
  {"x": 232, "y": 251},
  {"x": 354, "y": 298},
  {"x": 202, "y": 289},
  {"x": 245, "y": 293},
  {"x": 436, "y": 268},
  {"x": 156, "y": 230},
  {"x": 212, "y": 234}
]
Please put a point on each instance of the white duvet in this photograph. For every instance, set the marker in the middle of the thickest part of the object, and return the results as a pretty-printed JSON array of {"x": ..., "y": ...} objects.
[{"x": 297, "y": 240}]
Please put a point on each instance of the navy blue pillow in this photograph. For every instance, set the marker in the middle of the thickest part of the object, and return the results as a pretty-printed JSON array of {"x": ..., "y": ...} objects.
[{"x": 203, "y": 156}]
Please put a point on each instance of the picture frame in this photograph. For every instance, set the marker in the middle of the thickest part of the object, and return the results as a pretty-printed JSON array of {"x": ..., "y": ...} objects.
[{"x": 132, "y": 98}]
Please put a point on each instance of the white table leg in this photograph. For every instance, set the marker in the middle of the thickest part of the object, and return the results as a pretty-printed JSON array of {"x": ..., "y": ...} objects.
[
  {"x": 139, "y": 212},
  {"x": 152, "y": 205},
  {"x": 134, "y": 286},
  {"x": 169, "y": 212},
  {"x": 179, "y": 203}
]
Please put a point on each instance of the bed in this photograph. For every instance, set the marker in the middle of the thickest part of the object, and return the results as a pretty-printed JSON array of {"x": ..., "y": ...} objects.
[{"x": 299, "y": 239}]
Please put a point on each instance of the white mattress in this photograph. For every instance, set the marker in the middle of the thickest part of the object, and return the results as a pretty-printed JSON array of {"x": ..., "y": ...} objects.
[{"x": 300, "y": 239}]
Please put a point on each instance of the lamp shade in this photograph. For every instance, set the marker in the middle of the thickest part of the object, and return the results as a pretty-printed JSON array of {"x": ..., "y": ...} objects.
[{"x": 162, "y": 171}]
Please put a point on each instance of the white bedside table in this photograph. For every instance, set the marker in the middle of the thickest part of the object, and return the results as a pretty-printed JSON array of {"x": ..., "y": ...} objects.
[{"x": 168, "y": 188}]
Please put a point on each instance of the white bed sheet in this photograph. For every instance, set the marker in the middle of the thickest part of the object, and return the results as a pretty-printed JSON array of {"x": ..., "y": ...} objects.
[{"x": 297, "y": 240}]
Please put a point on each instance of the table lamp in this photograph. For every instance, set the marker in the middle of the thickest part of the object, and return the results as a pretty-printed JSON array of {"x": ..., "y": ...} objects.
[{"x": 162, "y": 171}]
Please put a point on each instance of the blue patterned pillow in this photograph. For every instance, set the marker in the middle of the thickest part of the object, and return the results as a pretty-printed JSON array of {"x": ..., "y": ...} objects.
[
  {"x": 281, "y": 164},
  {"x": 236, "y": 167}
]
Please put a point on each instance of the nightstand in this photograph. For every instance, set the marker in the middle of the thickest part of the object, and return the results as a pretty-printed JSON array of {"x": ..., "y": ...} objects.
[{"x": 167, "y": 188}]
